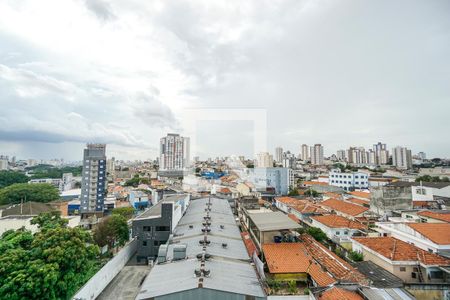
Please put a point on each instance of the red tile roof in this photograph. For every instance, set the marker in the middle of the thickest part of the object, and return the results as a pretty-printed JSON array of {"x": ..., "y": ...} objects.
[
  {"x": 225, "y": 191},
  {"x": 286, "y": 257},
  {"x": 344, "y": 207},
  {"x": 397, "y": 250},
  {"x": 336, "y": 293},
  {"x": 435, "y": 215},
  {"x": 438, "y": 233},
  {"x": 314, "y": 183},
  {"x": 335, "y": 221},
  {"x": 333, "y": 264},
  {"x": 310, "y": 257},
  {"x": 321, "y": 277},
  {"x": 360, "y": 194},
  {"x": 358, "y": 201},
  {"x": 301, "y": 205},
  {"x": 248, "y": 242}
]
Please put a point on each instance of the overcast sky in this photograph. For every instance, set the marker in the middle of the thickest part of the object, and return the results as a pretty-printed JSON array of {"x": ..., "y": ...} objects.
[{"x": 340, "y": 73}]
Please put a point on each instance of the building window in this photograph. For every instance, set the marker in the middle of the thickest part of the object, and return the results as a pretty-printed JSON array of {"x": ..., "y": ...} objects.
[
  {"x": 430, "y": 250},
  {"x": 413, "y": 275},
  {"x": 147, "y": 228},
  {"x": 157, "y": 243},
  {"x": 162, "y": 228},
  {"x": 338, "y": 233},
  {"x": 402, "y": 269},
  {"x": 346, "y": 232},
  {"x": 144, "y": 243}
]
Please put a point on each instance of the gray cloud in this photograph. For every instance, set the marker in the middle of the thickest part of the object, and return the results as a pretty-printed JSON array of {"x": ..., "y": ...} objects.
[
  {"x": 101, "y": 9},
  {"x": 341, "y": 74}
]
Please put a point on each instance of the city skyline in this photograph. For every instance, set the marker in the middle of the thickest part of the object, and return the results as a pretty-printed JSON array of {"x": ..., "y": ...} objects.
[{"x": 327, "y": 85}]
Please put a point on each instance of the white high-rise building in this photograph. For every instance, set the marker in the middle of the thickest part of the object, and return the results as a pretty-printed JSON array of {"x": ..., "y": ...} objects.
[
  {"x": 340, "y": 155},
  {"x": 422, "y": 155},
  {"x": 3, "y": 164},
  {"x": 305, "y": 152},
  {"x": 174, "y": 152},
  {"x": 401, "y": 158},
  {"x": 317, "y": 154},
  {"x": 278, "y": 154},
  {"x": 264, "y": 160},
  {"x": 381, "y": 153}
]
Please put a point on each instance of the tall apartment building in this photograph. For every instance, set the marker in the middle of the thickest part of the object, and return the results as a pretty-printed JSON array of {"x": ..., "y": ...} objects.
[
  {"x": 381, "y": 153},
  {"x": 264, "y": 160},
  {"x": 278, "y": 154},
  {"x": 401, "y": 158},
  {"x": 316, "y": 152},
  {"x": 3, "y": 164},
  {"x": 341, "y": 156},
  {"x": 422, "y": 155},
  {"x": 174, "y": 152},
  {"x": 305, "y": 152},
  {"x": 93, "y": 181}
]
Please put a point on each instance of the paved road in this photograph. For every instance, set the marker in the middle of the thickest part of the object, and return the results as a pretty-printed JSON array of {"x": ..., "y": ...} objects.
[{"x": 126, "y": 285}]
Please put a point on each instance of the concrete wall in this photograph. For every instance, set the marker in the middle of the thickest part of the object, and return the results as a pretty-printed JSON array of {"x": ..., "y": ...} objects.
[
  {"x": 388, "y": 198},
  {"x": 102, "y": 278}
]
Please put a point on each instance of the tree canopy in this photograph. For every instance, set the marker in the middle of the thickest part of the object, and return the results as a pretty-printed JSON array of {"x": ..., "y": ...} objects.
[
  {"x": 51, "y": 264},
  {"x": 428, "y": 178},
  {"x": 47, "y": 171},
  {"x": 317, "y": 234},
  {"x": 8, "y": 178},
  {"x": 111, "y": 230},
  {"x": 126, "y": 212},
  {"x": 37, "y": 192}
]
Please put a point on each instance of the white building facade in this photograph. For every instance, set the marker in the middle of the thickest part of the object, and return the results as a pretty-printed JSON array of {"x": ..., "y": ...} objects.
[{"x": 348, "y": 181}]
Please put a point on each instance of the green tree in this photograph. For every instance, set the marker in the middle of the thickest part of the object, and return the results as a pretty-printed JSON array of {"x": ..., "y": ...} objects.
[
  {"x": 49, "y": 220},
  {"x": 292, "y": 287},
  {"x": 293, "y": 192},
  {"x": 428, "y": 178},
  {"x": 312, "y": 193},
  {"x": 317, "y": 234},
  {"x": 111, "y": 230},
  {"x": 126, "y": 212},
  {"x": 355, "y": 256},
  {"x": 8, "y": 178},
  {"x": 52, "y": 264},
  {"x": 38, "y": 192},
  {"x": 133, "y": 181}
]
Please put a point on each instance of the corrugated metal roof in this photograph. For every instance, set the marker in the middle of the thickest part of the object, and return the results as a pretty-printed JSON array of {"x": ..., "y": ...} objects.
[
  {"x": 386, "y": 294},
  {"x": 230, "y": 269},
  {"x": 273, "y": 221}
]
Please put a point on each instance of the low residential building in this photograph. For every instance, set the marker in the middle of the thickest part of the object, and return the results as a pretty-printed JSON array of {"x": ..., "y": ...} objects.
[
  {"x": 345, "y": 209},
  {"x": 338, "y": 229},
  {"x": 266, "y": 227},
  {"x": 279, "y": 179},
  {"x": 153, "y": 227},
  {"x": 309, "y": 261},
  {"x": 435, "y": 216},
  {"x": 348, "y": 181},
  {"x": 406, "y": 261},
  {"x": 138, "y": 199},
  {"x": 431, "y": 237},
  {"x": 334, "y": 293},
  {"x": 302, "y": 209}
]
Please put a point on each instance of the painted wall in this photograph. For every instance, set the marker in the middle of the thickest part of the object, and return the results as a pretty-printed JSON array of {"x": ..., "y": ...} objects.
[{"x": 102, "y": 278}]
